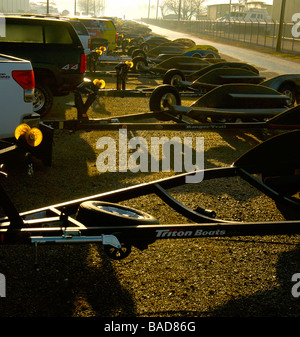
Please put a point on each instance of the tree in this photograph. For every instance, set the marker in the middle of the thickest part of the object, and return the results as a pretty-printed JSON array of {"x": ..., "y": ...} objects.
[
  {"x": 187, "y": 8},
  {"x": 90, "y": 7}
]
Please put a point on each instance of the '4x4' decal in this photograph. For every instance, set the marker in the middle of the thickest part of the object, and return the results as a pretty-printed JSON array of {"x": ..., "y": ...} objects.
[{"x": 70, "y": 67}]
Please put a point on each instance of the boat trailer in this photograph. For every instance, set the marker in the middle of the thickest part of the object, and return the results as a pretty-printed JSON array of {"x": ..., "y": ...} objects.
[
  {"x": 230, "y": 106},
  {"x": 101, "y": 219}
]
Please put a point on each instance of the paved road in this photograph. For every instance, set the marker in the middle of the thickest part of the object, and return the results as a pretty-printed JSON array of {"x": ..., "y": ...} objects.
[{"x": 268, "y": 62}]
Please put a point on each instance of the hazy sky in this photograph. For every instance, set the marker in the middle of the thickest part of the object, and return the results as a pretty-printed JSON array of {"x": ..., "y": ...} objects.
[{"x": 131, "y": 8}]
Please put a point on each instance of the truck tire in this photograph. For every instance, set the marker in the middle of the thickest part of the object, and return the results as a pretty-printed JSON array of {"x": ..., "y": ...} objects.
[{"x": 43, "y": 99}]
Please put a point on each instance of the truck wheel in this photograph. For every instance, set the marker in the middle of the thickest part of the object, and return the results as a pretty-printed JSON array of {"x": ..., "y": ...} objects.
[
  {"x": 43, "y": 99},
  {"x": 100, "y": 213}
]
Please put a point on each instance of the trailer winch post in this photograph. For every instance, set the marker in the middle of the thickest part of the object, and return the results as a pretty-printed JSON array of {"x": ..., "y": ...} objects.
[{"x": 122, "y": 72}]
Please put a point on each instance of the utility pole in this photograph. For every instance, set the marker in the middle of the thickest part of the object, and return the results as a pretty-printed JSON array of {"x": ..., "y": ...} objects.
[
  {"x": 87, "y": 7},
  {"x": 179, "y": 10},
  {"x": 47, "y": 6},
  {"x": 149, "y": 9},
  {"x": 279, "y": 39}
]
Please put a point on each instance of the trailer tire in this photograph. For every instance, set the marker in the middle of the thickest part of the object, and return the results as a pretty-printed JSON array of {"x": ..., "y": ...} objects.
[
  {"x": 131, "y": 50},
  {"x": 173, "y": 76},
  {"x": 164, "y": 94},
  {"x": 139, "y": 63},
  {"x": 100, "y": 213},
  {"x": 288, "y": 90},
  {"x": 138, "y": 52},
  {"x": 145, "y": 47}
]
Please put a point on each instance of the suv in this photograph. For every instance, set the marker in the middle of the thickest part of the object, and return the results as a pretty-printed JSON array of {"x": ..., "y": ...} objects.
[
  {"x": 83, "y": 34},
  {"x": 55, "y": 51}
]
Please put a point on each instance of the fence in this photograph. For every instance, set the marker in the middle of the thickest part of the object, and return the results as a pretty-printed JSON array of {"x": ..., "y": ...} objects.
[{"x": 263, "y": 34}]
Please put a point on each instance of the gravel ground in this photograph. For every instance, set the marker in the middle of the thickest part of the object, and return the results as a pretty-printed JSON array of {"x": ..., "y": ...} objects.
[{"x": 205, "y": 277}]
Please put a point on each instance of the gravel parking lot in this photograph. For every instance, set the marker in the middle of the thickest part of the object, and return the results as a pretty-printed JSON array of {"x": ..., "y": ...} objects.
[{"x": 205, "y": 277}]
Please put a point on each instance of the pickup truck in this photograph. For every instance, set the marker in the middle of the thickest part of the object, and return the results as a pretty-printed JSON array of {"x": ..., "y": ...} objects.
[
  {"x": 17, "y": 83},
  {"x": 55, "y": 51}
]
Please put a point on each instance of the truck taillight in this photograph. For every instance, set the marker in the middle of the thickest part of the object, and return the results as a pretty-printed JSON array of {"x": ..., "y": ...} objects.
[
  {"x": 25, "y": 78},
  {"x": 83, "y": 63}
]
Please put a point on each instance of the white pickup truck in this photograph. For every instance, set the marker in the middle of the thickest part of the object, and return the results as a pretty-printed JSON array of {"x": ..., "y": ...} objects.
[
  {"x": 17, "y": 84},
  {"x": 16, "y": 94}
]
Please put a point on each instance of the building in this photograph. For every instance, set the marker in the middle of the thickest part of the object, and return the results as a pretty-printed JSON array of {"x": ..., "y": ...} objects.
[
  {"x": 217, "y": 11},
  {"x": 291, "y": 7},
  {"x": 14, "y": 6},
  {"x": 221, "y": 10}
]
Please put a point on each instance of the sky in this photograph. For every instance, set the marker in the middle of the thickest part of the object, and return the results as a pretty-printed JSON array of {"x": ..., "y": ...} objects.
[{"x": 132, "y": 8}]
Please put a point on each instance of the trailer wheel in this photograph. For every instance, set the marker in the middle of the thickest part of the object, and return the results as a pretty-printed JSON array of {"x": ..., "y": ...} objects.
[
  {"x": 163, "y": 96},
  {"x": 118, "y": 253},
  {"x": 139, "y": 64},
  {"x": 100, "y": 213},
  {"x": 131, "y": 50},
  {"x": 288, "y": 90},
  {"x": 145, "y": 47},
  {"x": 173, "y": 77},
  {"x": 138, "y": 52}
]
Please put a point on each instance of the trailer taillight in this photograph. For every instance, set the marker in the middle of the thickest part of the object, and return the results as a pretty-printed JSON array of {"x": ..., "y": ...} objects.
[
  {"x": 83, "y": 63},
  {"x": 25, "y": 78}
]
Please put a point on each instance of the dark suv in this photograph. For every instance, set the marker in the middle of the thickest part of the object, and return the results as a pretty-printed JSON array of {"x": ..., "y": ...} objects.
[{"x": 55, "y": 51}]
